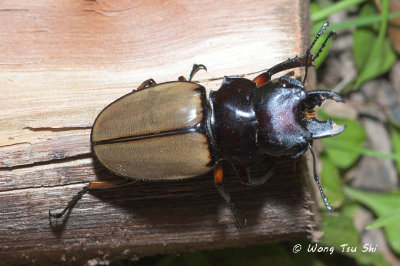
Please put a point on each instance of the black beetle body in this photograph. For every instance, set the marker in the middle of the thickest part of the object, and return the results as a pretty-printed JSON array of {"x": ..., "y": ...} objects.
[{"x": 173, "y": 131}]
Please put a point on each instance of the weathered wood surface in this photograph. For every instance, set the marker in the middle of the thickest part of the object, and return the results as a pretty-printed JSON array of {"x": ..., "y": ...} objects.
[{"x": 61, "y": 62}]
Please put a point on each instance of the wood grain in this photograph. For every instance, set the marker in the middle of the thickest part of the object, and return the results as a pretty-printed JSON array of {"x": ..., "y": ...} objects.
[{"x": 62, "y": 62}]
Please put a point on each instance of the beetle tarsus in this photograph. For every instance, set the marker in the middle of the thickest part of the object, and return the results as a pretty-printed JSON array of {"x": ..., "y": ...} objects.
[
  {"x": 225, "y": 195},
  {"x": 71, "y": 203},
  {"x": 195, "y": 69},
  {"x": 251, "y": 180},
  {"x": 316, "y": 178},
  {"x": 238, "y": 224}
]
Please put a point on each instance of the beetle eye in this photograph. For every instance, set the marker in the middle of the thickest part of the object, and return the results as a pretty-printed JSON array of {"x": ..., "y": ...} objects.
[{"x": 287, "y": 82}]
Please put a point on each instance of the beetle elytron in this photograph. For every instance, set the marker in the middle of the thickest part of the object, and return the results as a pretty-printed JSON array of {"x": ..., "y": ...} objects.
[{"x": 172, "y": 131}]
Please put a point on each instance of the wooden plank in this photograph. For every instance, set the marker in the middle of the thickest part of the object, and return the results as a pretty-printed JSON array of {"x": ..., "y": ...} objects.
[{"x": 62, "y": 62}]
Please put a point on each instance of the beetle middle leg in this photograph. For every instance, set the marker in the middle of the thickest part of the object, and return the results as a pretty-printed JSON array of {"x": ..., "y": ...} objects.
[
  {"x": 250, "y": 179},
  {"x": 218, "y": 176},
  {"x": 195, "y": 69},
  {"x": 298, "y": 61}
]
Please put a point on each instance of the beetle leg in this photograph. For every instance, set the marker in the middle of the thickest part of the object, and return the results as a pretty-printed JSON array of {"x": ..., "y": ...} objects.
[
  {"x": 298, "y": 61},
  {"x": 218, "y": 176},
  {"x": 285, "y": 65},
  {"x": 195, "y": 69},
  {"x": 146, "y": 84},
  {"x": 92, "y": 186},
  {"x": 182, "y": 78},
  {"x": 316, "y": 178},
  {"x": 71, "y": 203},
  {"x": 252, "y": 180},
  {"x": 108, "y": 184}
]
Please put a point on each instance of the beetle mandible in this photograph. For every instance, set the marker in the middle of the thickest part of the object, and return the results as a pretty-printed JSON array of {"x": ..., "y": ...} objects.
[{"x": 185, "y": 134}]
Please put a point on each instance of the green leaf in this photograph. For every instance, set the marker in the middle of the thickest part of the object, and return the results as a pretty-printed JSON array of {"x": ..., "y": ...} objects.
[
  {"x": 353, "y": 136},
  {"x": 372, "y": 51},
  {"x": 340, "y": 5},
  {"x": 379, "y": 62},
  {"x": 385, "y": 220},
  {"x": 336, "y": 145},
  {"x": 331, "y": 182},
  {"x": 363, "y": 37},
  {"x": 384, "y": 204},
  {"x": 343, "y": 150},
  {"x": 343, "y": 223},
  {"x": 355, "y": 22},
  {"x": 339, "y": 230},
  {"x": 395, "y": 134}
]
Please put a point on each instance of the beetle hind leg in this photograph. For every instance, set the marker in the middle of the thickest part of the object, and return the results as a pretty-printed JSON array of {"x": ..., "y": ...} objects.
[
  {"x": 91, "y": 186},
  {"x": 71, "y": 203},
  {"x": 218, "y": 176}
]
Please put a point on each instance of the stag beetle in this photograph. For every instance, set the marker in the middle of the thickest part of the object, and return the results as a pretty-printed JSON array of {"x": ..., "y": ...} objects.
[{"x": 173, "y": 131}]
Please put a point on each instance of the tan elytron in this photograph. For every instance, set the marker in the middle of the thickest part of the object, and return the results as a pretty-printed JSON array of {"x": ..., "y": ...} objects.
[{"x": 152, "y": 134}]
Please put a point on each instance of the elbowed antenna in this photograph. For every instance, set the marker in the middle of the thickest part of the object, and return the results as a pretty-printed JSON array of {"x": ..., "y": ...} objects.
[{"x": 308, "y": 52}]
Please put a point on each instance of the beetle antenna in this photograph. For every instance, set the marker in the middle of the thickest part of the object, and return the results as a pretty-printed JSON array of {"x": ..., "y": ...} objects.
[
  {"x": 308, "y": 52},
  {"x": 316, "y": 178},
  {"x": 330, "y": 34},
  {"x": 71, "y": 203},
  {"x": 320, "y": 32}
]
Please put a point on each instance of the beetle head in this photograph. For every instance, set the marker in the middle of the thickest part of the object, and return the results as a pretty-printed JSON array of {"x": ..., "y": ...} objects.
[{"x": 286, "y": 119}]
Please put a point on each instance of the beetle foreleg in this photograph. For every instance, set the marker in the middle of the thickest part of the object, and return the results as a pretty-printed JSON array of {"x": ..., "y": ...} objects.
[
  {"x": 252, "y": 180},
  {"x": 316, "y": 178},
  {"x": 146, "y": 84},
  {"x": 298, "y": 61},
  {"x": 218, "y": 176}
]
